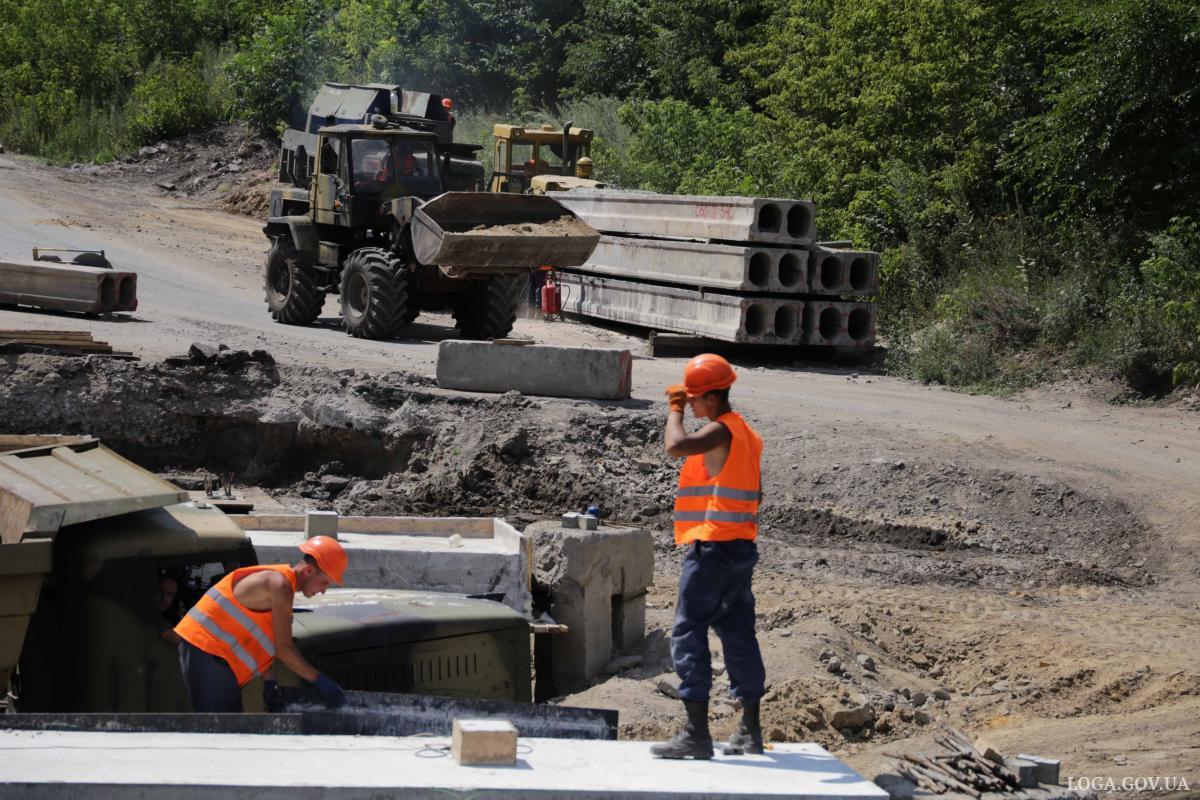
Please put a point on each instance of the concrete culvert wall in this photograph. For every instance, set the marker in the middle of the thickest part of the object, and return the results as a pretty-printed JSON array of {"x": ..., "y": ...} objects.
[
  {"x": 126, "y": 293},
  {"x": 785, "y": 322},
  {"x": 830, "y": 323},
  {"x": 108, "y": 291},
  {"x": 860, "y": 274},
  {"x": 791, "y": 270},
  {"x": 830, "y": 273},
  {"x": 858, "y": 325},
  {"x": 799, "y": 222},
  {"x": 760, "y": 268},
  {"x": 770, "y": 217},
  {"x": 756, "y": 320}
]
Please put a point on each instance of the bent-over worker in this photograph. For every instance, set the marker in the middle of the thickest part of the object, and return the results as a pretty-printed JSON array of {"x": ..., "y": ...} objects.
[
  {"x": 244, "y": 622},
  {"x": 716, "y": 518}
]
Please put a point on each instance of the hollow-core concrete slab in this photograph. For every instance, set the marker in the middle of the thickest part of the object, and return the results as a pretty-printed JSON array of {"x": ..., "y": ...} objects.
[{"x": 164, "y": 766}]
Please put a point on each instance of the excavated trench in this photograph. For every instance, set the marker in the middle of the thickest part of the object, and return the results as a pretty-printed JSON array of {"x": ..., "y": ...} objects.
[{"x": 393, "y": 443}]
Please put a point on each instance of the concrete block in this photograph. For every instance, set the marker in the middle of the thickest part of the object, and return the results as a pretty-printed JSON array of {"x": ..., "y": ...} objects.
[
  {"x": 731, "y": 219},
  {"x": 484, "y": 741},
  {"x": 570, "y": 519},
  {"x": 732, "y": 318},
  {"x": 320, "y": 523},
  {"x": 1026, "y": 771},
  {"x": 589, "y": 522},
  {"x": 1048, "y": 769},
  {"x": 597, "y": 582},
  {"x": 67, "y": 287},
  {"x": 716, "y": 266},
  {"x": 843, "y": 272},
  {"x": 835, "y": 324},
  {"x": 537, "y": 370}
]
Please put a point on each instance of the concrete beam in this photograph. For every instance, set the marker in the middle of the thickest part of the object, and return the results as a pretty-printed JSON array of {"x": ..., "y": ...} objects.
[
  {"x": 843, "y": 272},
  {"x": 67, "y": 287},
  {"x": 180, "y": 766},
  {"x": 730, "y": 318},
  {"x": 538, "y": 370},
  {"x": 732, "y": 219},
  {"x": 834, "y": 324},
  {"x": 716, "y": 266}
]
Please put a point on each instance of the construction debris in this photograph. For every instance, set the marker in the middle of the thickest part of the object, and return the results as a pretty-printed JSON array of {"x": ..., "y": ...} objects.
[
  {"x": 67, "y": 343},
  {"x": 962, "y": 768}
]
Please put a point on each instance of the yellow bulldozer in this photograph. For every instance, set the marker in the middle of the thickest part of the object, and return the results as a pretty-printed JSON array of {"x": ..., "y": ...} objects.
[{"x": 545, "y": 159}]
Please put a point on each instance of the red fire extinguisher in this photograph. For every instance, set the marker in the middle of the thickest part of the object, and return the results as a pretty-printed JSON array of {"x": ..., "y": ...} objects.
[{"x": 551, "y": 300}]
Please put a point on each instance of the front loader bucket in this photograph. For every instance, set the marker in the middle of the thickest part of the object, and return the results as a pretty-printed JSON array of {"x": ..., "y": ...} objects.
[{"x": 486, "y": 230}]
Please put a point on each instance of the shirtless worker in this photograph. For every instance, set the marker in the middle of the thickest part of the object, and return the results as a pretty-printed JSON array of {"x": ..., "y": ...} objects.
[
  {"x": 244, "y": 622},
  {"x": 716, "y": 517}
]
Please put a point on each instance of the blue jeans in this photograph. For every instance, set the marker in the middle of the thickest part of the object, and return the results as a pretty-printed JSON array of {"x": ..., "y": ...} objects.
[
  {"x": 714, "y": 592},
  {"x": 210, "y": 681}
]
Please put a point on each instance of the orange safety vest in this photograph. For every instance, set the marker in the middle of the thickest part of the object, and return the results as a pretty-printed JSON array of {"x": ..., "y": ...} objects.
[
  {"x": 724, "y": 507},
  {"x": 220, "y": 625}
]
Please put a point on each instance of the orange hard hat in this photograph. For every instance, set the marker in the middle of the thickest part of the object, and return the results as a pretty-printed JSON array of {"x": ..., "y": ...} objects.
[
  {"x": 328, "y": 554},
  {"x": 707, "y": 372}
]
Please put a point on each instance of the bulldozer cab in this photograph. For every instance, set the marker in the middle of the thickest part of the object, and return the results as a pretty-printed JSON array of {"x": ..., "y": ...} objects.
[
  {"x": 522, "y": 154},
  {"x": 360, "y": 167}
]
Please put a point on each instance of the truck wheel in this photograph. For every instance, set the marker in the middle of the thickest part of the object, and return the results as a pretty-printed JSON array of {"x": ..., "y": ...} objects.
[
  {"x": 487, "y": 309},
  {"x": 374, "y": 293},
  {"x": 293, "y": 294}
]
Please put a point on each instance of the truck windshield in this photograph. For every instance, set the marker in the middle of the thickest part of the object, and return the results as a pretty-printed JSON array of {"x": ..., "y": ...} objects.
[{"x": 379, "y": 164}]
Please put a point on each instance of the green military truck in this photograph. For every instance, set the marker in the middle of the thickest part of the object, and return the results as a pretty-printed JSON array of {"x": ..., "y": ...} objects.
[
  {"x": 86, "y": 539},
  {"x": 378, "y": 204}
]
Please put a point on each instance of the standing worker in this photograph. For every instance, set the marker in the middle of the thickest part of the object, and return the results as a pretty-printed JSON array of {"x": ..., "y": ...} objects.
[
  {"x": 244, "y": 622},
  {"x": 716, "y": 517}
]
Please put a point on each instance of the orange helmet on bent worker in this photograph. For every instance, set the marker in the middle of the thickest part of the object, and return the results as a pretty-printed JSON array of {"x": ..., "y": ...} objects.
[
  {"x": 707, "y": 372},
  {"x": 328, "y": 554}
]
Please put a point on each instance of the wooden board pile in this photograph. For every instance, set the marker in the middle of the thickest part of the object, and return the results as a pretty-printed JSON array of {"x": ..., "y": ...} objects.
[
  {"x": 961, "y": 768},
  {"x": 68, "y": 343}
]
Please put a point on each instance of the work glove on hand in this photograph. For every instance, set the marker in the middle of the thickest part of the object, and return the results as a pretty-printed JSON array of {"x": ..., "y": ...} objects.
[
  {"x": 272, "y": 696},
  {"x": 677, "y": 397},
  {"x": 333, "y": 694}
]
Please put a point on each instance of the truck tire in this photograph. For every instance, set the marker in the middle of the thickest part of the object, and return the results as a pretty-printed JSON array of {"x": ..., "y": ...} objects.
[
  {"x": 293, "y": 293},
  {"x": 374, "y": 294},
  {"x": 487, "y": 309}
]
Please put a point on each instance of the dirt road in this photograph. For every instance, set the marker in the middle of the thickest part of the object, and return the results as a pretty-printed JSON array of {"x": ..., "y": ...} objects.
[{"x": 1091, "y": 668}]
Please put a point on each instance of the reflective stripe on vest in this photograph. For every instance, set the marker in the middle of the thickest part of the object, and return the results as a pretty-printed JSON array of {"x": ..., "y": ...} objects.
[
  {"x": 221, "y": 626},
  {"x": 724, "y": 506}
]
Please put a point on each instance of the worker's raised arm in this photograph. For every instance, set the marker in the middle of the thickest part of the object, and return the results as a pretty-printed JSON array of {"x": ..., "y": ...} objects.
[{"x": 679, "y": 443}]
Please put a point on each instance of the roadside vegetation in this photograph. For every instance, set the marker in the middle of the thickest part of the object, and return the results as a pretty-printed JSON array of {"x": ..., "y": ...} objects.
[{"x": 1029, "y": 168}]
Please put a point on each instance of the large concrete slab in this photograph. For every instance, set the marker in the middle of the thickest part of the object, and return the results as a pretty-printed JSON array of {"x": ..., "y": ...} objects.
[
  {"x": 834, "y": 324},
  {"x": 843, "y": 272},
  {"x": 718, "y": 266},
  {"x": 731, "y": 318},
  {"x": 595, "y": 373},
  {"x": 459, "y": 555},
  {"x": 67, "y": 287},
  {"x": 732, "y": 219},
  {"x": 176, "y": 766}
]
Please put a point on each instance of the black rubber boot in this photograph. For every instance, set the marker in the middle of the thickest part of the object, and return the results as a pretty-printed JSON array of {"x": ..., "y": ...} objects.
[
  {"x": 694, "y": 741},
  {"x": 748, "y": 737}
]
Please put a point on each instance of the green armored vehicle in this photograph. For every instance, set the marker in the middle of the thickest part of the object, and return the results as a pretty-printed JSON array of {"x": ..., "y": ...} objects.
[
  {"x": 83, "y": 609},
  {"x": 381, "y": 206}
]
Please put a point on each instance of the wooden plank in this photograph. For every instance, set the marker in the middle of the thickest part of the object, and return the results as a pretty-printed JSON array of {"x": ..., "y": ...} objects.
[{"x": 49, "y": 334}]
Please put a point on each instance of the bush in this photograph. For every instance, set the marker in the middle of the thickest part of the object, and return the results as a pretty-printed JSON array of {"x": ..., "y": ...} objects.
[{"x": 170, "y": 100}]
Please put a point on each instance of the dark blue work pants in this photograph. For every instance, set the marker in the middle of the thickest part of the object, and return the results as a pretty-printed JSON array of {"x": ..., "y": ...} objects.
[
  {"x": 714, "y": 592},
  {"x": 210, "y": 682}
]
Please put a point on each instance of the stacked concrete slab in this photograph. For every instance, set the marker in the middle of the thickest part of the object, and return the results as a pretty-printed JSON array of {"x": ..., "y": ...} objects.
[
  {"x": 738, "y": 269},
  {"x": 67, "y": 287}
]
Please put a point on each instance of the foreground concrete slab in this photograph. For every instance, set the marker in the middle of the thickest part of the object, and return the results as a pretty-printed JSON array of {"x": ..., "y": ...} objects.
[
  {"x": 732, "y": 219},
  {"x": 67, "y": 287},
  {"x": 717, "y": 266},
  {"x": 584, "y": 372},
  {"x": 728, "y": 317},
  {"x": 460, "y": 555},
  {"x": 172, "y": 766}
]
